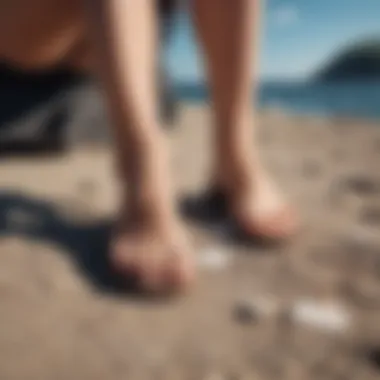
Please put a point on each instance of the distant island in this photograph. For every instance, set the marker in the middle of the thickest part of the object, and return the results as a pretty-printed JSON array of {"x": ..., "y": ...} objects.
[{"x": 357, "y": 62}]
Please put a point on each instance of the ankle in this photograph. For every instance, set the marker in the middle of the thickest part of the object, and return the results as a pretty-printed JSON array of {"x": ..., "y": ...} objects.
[
  {"x": 148, "y": 220},
  {"x": 235, "y": 175},
  {"x": 150, "y": 206},
  {"x": 146, "y": 181}
]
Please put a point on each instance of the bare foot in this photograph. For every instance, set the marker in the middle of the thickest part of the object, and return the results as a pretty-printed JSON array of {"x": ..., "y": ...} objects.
[
  {"x": 258, "y": 208},
  {"x": 156, "y": 256}
]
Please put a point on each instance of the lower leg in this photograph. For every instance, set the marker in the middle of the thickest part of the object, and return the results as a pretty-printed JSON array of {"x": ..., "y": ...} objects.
[
  {"x": 228, "y": 30},
  {"x": 152, "y": 244}
]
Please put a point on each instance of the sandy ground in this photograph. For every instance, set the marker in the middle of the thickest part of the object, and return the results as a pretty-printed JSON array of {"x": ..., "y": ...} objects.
[{"x": 63, "y": 317}]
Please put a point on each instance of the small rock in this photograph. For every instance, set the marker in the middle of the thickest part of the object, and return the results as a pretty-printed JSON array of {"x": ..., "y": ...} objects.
[
  {"x": 329, "y": 316},
  {"x": 214, "y": 258},
  {"x": 246, "y": 313},
  {"x": 252, "y": 311},
  {"x": 362, "y": 185}
]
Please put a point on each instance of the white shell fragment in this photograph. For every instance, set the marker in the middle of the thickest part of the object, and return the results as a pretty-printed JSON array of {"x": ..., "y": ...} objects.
[
  {"x": 214, "y": 258},
  {"x": 325, "y": 316}
]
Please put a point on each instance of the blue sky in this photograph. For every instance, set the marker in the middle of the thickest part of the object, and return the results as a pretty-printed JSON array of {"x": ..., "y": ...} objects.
[{"x": 298, "y": 36}]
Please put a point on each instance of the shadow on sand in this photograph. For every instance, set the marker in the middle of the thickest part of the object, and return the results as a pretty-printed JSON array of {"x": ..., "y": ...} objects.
[
  {"x": 86, "y": 243},
  {"x": 24, "y": 216}
]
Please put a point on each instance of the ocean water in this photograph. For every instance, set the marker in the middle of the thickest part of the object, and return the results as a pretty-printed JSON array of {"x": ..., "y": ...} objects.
[{"x": 344, "y": 99}]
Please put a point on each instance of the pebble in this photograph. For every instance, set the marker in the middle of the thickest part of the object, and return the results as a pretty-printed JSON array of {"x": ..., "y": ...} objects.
[
  {"x": 246, "y": 313},
  {"x": 330, "y": 317},
  {"x": 361, "y": 185},
  {"x": 214, "y": 258},
  {"x": 251, "y": 311}
]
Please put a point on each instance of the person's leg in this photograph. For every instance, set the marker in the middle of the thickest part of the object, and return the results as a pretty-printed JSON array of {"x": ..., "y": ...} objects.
[
  {"x": 229, "y": 30},
  {"x": 150, "y": 240}
]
